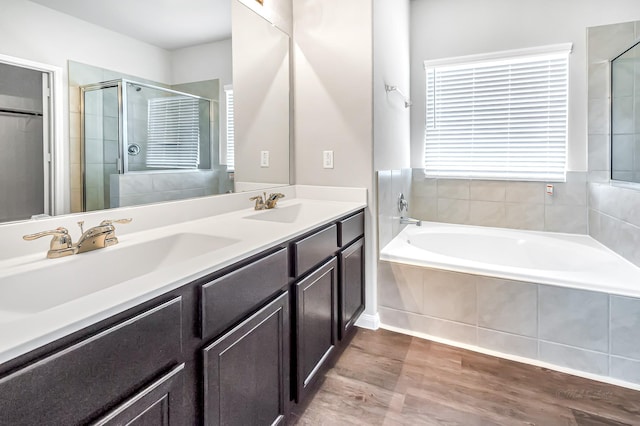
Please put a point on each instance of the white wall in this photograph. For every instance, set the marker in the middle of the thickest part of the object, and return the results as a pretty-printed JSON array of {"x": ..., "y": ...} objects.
[
  {"x": 391, "y": 120},
  {"x": 333, "y": 73},
  {"x": 203, "y": 62},
  {"x": 332, "y": 89},
  {"x": 277, "y": 12},
  {"x": 31, "y": 31},
  {"x": 261, "y": 97},
  {"x": 447, "y": 28}
]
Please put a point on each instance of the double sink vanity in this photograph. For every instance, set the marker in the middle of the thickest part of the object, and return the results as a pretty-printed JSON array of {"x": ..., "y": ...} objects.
[{"x": 206, "y": 312}]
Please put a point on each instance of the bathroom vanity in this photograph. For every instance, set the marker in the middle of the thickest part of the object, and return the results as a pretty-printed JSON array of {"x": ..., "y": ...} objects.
[{"x": 239, "y": 344}]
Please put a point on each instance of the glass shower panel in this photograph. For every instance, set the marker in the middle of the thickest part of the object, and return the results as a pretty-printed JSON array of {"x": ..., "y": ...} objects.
[
  {"x": 100, "y": 148},
  {"x": 166, "y": 130}
]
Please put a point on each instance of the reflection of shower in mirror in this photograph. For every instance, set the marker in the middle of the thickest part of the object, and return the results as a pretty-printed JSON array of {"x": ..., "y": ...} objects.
[{"x": 127, "y": 130}]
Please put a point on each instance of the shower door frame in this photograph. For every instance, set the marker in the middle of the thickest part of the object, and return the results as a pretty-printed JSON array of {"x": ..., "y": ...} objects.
[
  {"x": 55, "y": 178},
  {"x": 122, "y": 160}
]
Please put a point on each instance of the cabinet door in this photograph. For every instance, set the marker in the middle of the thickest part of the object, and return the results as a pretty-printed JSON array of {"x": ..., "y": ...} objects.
[
  {"x": 246, "y": 371},
  {"x": 159, "y": 404},
  {"x": 351, "y": 285},
  {"x": 316, "y": 323}
]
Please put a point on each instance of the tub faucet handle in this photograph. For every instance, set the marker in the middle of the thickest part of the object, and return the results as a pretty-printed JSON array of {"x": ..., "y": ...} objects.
[{"x": 403, "y": 204}]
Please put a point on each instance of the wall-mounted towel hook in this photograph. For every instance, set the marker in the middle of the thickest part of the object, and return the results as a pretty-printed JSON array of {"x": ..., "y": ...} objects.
[{"x": 388, "y": 88}]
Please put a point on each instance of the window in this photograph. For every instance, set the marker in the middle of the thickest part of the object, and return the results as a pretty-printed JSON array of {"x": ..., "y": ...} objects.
[
  {"x": 500, "y": 116},
  {"x": 173, "y": 133},
  {"x": 228, "y": 90}
]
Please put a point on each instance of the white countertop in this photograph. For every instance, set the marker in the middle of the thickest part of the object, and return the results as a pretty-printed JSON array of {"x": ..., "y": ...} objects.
[{"x": 244, "y": 236}]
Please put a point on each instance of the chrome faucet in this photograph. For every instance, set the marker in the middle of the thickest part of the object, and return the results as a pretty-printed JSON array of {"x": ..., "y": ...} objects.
[
  {"x": 409, "y": 221},
  {"x": 403, "y": 208},
  {"x": 101, "y": 236},
  {"x": 98, "y": 237},
  {"x": 266, "y": 203}
]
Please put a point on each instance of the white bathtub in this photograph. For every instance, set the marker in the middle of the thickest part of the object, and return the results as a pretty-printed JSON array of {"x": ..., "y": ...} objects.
[{"x": 575, "y": 261}]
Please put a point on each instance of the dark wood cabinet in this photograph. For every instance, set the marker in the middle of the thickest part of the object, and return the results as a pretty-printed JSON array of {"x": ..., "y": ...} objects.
[
  {"x": 316, "y": 299},
  {"x": 246, "y": 371},
  {"x": 236, "y": 346},
  {"x": 159, "y": 404},
  {"x": 77, "y": 384},
  {"x": 351, "y": 286}
]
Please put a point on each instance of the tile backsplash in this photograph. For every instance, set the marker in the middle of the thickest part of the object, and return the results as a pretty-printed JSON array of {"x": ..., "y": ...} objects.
[{"x": 504, "y": 204}]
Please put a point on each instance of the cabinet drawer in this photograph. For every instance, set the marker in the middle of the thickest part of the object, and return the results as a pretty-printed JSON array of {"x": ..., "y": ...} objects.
[
  {"x": 79, "y": 383},
  {"x": 350, "y": 229},
  {"x": 228, "y": 299},
  {"x": 312, "y": 250}
]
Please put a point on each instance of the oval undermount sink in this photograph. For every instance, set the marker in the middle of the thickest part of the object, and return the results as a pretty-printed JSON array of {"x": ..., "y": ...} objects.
[
  {"x": 288, "y": 214},
  {"x": 59, "y": 281}
]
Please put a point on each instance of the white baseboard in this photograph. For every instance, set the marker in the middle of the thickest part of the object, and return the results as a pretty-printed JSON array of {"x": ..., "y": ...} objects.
[{"x": 372, "y": 322}]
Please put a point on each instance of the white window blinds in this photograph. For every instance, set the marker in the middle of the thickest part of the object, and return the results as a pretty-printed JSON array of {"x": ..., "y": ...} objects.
[
  {"x": 173, "y": 133},
  {"x": 228, "y": 90},
  {"x": 498, "y": 118}
]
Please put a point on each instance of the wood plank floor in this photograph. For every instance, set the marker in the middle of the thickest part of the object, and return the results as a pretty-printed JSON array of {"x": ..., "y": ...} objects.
[{"x": 386, "y": 378}]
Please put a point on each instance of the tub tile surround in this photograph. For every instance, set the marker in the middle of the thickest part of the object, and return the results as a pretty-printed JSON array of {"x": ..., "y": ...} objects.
[
  {"x": 504, "y": 204},
  {"x": 614, "y": 211},
  {"x": 390, "y": 183},
  {"x": 587, "y": 332}
]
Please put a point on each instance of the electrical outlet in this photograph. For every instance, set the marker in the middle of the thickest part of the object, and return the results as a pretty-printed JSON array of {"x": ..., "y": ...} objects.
[
  {"x": 327, "y": 159},
  {"x": 264, "y": 158},
  {"x": 549, "y": 189}
]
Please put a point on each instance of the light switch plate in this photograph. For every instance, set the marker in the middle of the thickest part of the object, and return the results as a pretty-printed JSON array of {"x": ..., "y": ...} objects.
[
  {"x": 327, "y": 159},
  {"x": 264, "y": 158}
]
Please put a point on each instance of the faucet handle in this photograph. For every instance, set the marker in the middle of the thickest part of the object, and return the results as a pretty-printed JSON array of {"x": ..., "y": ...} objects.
[
  {"x": 260, "y": 202},
  {"x": 59, "y": 232},
  {"x": 61, "y": 243},
  {"x": 110, "y": 222}
]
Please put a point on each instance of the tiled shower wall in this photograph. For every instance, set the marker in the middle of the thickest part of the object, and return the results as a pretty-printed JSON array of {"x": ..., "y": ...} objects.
[
  {"x": 390, "y": 184},
  {"x": 503, "y": 204},
  {"x": 614, "y": 212},
  {"x": 132, "y": 189}
]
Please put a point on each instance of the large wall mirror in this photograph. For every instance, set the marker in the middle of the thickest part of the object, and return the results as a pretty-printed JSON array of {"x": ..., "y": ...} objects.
[
  {"x": 161, "y": 101},
  {"x": 625, "y": 115}
]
